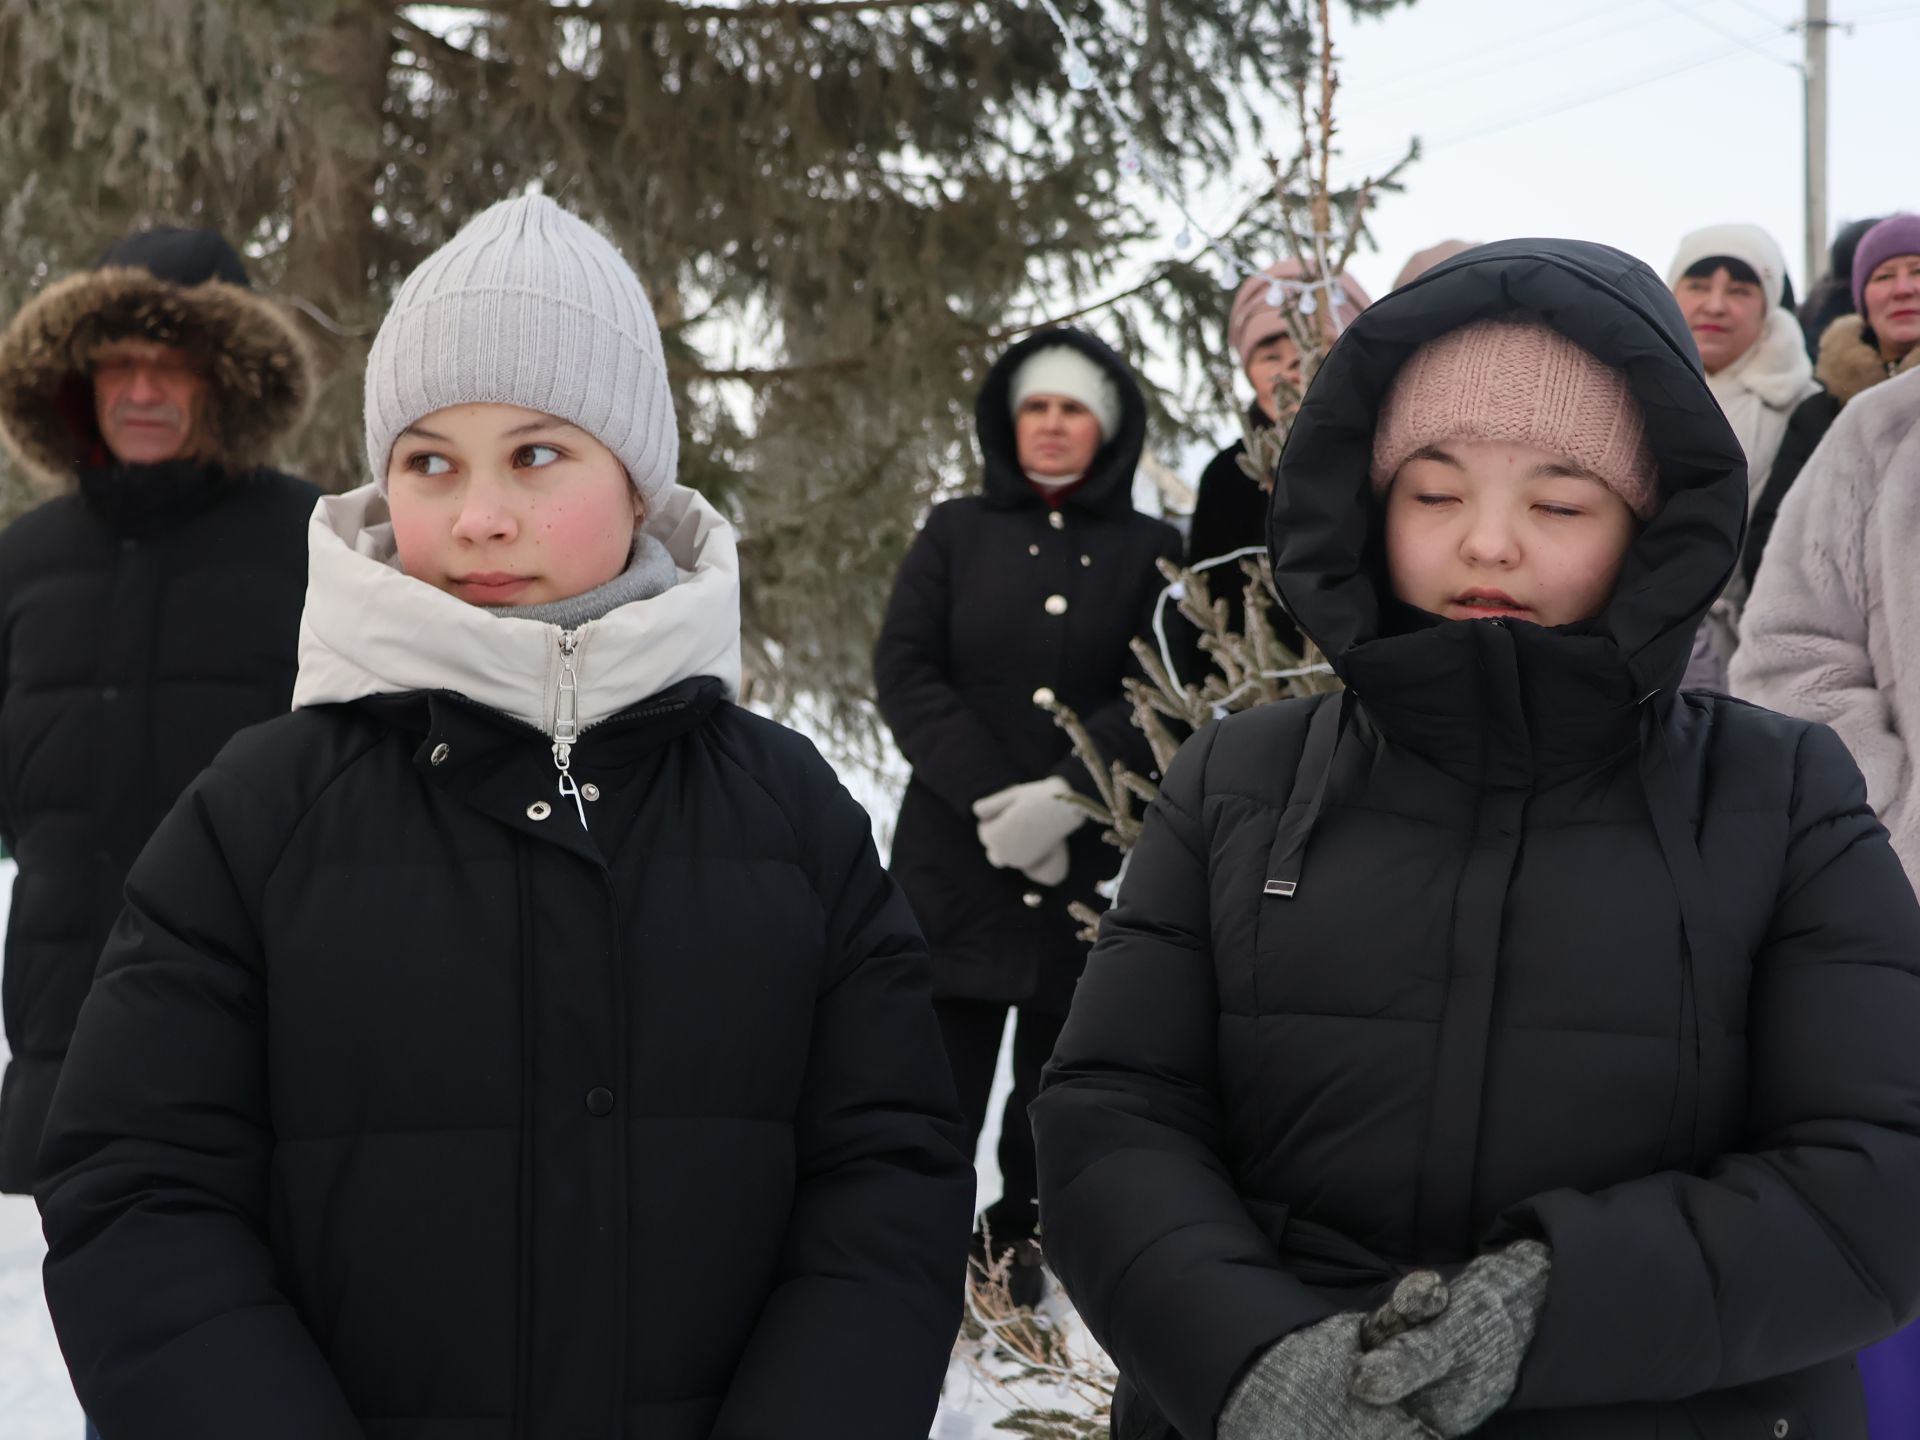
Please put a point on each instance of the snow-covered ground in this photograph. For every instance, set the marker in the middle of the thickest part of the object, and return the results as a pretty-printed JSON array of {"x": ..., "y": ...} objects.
[{"x": 36, "y": 1400}]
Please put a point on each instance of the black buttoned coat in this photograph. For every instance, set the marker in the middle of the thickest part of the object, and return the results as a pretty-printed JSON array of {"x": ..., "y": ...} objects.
[{"x": 1004, "y": 600}]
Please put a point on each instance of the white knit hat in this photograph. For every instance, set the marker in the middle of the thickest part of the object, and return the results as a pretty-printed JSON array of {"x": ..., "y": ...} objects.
[
  {"x": 1749, "y": 244},
  {"x": 528, "y": 305},
  {"x": 1063, "y": 370}
]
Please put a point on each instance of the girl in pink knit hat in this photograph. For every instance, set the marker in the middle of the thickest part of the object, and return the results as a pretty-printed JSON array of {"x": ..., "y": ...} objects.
[{"x": 1514, "y": 1045}]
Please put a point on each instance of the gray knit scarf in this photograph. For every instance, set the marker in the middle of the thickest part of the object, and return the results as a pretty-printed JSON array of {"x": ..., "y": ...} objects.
[{"x": 649, "y": 572}]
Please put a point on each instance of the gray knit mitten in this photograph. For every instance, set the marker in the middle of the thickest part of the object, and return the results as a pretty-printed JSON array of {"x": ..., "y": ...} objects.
[
  {"x": 1298, "y": 1391},
  {"x": 1451, "y": 1353}
]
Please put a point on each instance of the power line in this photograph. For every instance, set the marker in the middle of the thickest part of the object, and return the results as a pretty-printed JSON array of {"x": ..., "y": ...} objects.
[
  {"x": 1447, "y": 66},
  {"x": 1442, "y": 77},
  {"x": 1759, "y": 14},
  {"x": 1681, "y": 7},
  {"x": 1578, "y": 102}
]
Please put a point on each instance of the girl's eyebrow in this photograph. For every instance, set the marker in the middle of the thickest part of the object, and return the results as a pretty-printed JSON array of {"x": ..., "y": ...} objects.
[
  {"x": 424, "y": 433},
  {"x": 1434, "y": 452},
  {"x": 545, "y": 422},
  {"x": 1560, "y": 470}
]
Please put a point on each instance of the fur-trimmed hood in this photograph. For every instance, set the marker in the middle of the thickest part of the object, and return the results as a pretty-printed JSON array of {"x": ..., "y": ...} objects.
[
  {"x": 259, "y": 367},
  {"x": 1849, "y": 365}
]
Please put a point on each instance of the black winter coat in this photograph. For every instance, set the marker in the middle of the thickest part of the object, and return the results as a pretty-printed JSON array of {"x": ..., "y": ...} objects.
[
  {"x": 1511, "y": 940},
  {"x": 141, "y": 625},
  {"x": 1806, "y": 428},
  {"x": 405, "y": 1109},
  {"x": 1001, "y": 601},
  {"x": 1229, "y": 514}
]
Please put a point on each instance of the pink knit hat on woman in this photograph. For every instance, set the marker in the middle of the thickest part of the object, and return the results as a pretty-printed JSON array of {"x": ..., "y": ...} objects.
[
  {"x": 1255, "y": 319},
  {"x": 1524, "y": 382}
]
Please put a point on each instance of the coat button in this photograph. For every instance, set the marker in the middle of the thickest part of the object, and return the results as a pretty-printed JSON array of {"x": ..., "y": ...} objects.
[
  {"x": 1031, "y": 899},
  {"x": 1033, "y": 549},
  {"x": 1057, "y": 520},
  {"x": 1056, "y": 604},
  {"x": 1043, "y": 696},
  {"x": 539, "y": 810},
  {"x": 440, "y": 753},
  {"x": 599, "y": 1101},
  {"x": 1780, "y": 1429},
  {"x": 1086, "y": 559}
]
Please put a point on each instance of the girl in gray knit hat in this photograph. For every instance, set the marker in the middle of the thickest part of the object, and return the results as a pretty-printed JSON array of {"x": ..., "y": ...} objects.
[{"x": 520, "y": 1038}]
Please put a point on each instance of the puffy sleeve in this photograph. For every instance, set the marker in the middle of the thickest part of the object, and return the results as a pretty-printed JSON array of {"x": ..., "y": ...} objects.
[
  {"x": 153, "y": 1174},
  {"x": 1139, "y": 1213},
  {"x": 1803, "y": 637},
  {"x": 951, "y": 749}
]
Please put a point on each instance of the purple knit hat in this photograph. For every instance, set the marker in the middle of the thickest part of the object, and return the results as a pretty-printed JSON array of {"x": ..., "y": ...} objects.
[
  {"x": 1895, "y": 235},
  {"x": 1521, "y": 381}
]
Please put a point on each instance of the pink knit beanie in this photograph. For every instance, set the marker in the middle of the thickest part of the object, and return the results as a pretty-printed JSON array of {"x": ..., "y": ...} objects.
[
  {"x": 1255, "y": 319},
  {"x": 1519, "y": 381}
]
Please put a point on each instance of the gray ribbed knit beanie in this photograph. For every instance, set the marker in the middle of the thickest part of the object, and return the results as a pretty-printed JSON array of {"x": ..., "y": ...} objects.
[{"x": 528, "y": 305}]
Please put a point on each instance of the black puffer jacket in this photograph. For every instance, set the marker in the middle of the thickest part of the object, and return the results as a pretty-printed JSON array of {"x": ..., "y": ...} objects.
[
  {"x": 140, "y": 627},
  {"x": 405, "y": 1108},
  {"x": 1569, "y": 955},
  {"x": 1000, "y": 599}
]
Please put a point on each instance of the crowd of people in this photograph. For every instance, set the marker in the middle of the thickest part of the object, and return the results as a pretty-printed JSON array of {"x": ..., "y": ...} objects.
[{"x": 438, "y": 1009}]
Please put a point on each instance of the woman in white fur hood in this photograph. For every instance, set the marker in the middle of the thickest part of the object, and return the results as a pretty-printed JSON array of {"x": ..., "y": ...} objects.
[
  {"x": 520, "y": 1037},
  {"x": 1731, "y": 282}
]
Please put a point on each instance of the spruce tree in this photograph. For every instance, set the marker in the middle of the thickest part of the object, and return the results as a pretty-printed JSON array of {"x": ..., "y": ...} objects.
[{"x": 843, "y": 210}]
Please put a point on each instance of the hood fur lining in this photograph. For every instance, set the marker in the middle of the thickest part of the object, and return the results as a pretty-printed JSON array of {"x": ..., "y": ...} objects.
[
  {"x": 1849, "y": 366},
  {"x": 260, "y": 371}
]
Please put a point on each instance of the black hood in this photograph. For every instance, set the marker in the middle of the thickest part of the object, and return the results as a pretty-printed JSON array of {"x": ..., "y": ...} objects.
[
  {"x": 1109, "y": 484},
  {"x": 1324, "y": 522}
]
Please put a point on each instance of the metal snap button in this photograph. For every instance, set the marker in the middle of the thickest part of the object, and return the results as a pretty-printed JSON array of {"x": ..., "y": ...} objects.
[
  {"x": 1031, "y": 899},
  {"x": 1780, "y": 1429},
  {"x": 440, "y": 753},
  {"x": 1057, "y": 520},
  {"x": 539, "y": 810},
  {"x": 590, "y": 792},
  {"x": 1056, "y": 604},
  {"x": 1043, "y": 696}
]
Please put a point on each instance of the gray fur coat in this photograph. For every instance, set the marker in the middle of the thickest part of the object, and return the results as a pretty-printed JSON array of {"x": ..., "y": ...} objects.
[{"x": 1832, "y": 629}]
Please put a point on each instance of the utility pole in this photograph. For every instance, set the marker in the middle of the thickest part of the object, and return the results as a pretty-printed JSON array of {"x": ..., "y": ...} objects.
[{"x": 1815, "y": 74}]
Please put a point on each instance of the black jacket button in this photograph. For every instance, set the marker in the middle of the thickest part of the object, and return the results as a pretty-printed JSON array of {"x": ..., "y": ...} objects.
[{"x": 599, "y": 1101}]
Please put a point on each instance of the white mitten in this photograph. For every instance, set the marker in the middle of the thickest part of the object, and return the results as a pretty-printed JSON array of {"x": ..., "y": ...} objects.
[
  {"x": 1020, "y": 826},
  {"x": 1051, "y": 868}
]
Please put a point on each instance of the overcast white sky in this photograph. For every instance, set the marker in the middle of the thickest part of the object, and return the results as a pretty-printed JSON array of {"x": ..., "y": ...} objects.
[{"x": 1625, "y": 121}]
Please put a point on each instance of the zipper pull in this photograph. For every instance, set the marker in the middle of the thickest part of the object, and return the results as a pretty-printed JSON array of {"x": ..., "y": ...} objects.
[{"x": 566, "y": 725}]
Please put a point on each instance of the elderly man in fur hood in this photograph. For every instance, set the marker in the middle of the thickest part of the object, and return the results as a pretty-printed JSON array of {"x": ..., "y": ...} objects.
[{"x": 149, "y": 607}]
